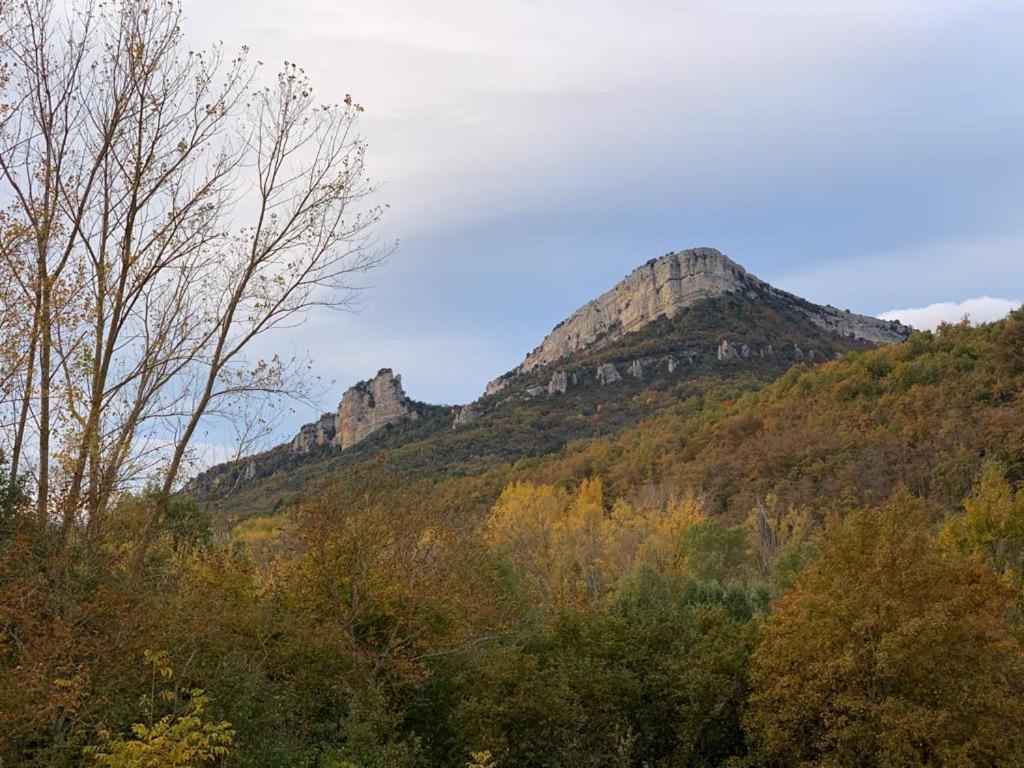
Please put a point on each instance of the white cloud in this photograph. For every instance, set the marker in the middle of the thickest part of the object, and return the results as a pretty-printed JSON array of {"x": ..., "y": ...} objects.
[
  {"x": 479, "y": 108},
  {"x": 983, "y": 309}
]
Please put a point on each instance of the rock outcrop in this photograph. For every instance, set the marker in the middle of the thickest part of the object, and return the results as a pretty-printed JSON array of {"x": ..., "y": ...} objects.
[
  {"x": 561, "y": 381},
  {"x": 496, "y": 385},
  {"x": 319, "y": 432},
  {"x": 660, "y": 288},
  {"x": 326, "y": 427},
  {"x": 608, "y": 374},
  {"x": 664, "y": 287},
  {"x": 728, "y": 351},
  {"x": 369, "y": 406},
  {"x": 304, "y": 441},
  {"x": 364, "y": 408},
  {"x": 464, "y": 415}
]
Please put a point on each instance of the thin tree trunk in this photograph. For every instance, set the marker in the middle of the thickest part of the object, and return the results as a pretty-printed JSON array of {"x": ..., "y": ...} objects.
[
  {"x": 45, "y": 346},
  {"x": 19, "y": 434}
]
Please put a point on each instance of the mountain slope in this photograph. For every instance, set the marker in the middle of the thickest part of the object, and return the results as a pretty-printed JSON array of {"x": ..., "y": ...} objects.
[
  {"x": 708, "y": 324},
  {"x": 925, "y": 414}
]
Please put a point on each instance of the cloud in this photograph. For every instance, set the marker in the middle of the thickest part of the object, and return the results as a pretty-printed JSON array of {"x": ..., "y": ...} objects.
[
  {"x": 477, "y": 108},
  {"x": 983, "y": 309}
]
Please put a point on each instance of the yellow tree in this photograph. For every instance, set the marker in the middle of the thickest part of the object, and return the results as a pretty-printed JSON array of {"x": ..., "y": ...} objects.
[
  {"x": 585, "y": 534},
  {"x": 889, "y": 652},
  {"x": 571, "y": 549},
  {"x": 991, "y": 527},
  {"x": 182, "y": 738},
  {"x": 524, "y": 527}
]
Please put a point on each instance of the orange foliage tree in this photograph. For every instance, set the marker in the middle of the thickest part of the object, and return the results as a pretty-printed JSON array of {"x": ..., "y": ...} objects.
[{"x": 890, "y": 652}]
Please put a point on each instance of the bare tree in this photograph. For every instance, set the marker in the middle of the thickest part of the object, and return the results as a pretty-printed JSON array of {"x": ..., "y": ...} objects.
[{"x": 126, "y": 162}]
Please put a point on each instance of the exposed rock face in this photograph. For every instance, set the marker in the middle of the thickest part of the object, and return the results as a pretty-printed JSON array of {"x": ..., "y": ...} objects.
[
  {"x": 496, "y": 385},
  {"x": 727, "y": 351},
  {"x": 369, "y": 406},
  {"x": 845, "y": 323},
  {"x": 305, "y": 440},
  {"x": 319, "y": 432},
  {"x": 561, "y": 381},
  {"x": 662, "y": 288},
  {"x": 325, "y": 429},
  {"x": 608, "y": 374},
  {"x": 464, "y": 415},
  {"x": 640, "y": 366}
]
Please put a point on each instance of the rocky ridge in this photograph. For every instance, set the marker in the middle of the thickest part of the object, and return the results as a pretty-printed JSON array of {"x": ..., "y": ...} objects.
[
  {"x": 661, "y": 288},
  {"x": 665, "y": 286}
]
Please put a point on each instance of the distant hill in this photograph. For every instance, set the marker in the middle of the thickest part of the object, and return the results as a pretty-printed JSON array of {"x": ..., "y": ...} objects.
[{"x": 676, "y": 327}]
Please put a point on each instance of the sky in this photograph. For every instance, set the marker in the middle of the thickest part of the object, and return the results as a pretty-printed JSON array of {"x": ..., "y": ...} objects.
[{"x": 865, "y": 154}]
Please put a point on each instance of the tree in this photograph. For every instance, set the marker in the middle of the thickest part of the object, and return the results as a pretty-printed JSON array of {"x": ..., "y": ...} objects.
[
  {"x": 991, "y": 527},
  {"x": 889, "y": 652},
  {"x": 178, "y": 739},
  {"x": 524, "y": 526},
  {"x": 137, "y": 290},
  {"x": 12, "y": 498},
  {"x": 568, "y": 549}
]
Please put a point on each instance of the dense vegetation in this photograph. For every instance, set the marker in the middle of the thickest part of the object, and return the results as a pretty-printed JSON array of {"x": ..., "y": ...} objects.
[{"x": 823, "y": 572}]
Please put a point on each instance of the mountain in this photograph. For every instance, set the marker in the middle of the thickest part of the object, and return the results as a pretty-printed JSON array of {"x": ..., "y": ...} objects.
[
  {"x": 683, "y": 324},
  {"x": 665, "y": 287}
]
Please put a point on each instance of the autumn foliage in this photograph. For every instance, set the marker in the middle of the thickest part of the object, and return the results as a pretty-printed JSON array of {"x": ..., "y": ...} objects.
[{"x": 824, "y": 570}]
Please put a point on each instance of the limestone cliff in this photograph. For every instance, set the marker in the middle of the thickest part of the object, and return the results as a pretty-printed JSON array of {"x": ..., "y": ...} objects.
[
  {"x": 369, "y": 406},
  {"x": 364, "y": 408},
  {"x": 665, "y": 286},
  {"x": 319, "y": 432}
]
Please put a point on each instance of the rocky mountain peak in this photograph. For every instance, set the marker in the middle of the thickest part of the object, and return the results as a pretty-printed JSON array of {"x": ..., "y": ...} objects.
[
  {"x": 659, "y": 288},
  {"x": 665, "y": 286}
]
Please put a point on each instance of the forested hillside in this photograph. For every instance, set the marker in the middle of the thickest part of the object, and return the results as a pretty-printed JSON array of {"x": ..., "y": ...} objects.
[
  {"x": 823, "y": 572},
  {"x": 925, "y": 414}
]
